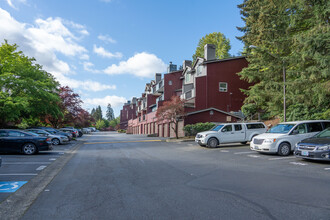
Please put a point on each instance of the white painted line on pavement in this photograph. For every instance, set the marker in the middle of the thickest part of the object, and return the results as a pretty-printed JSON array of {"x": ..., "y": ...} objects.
[
  {"x": 19, "y": 174},
  {"x": 245, "y": 152},
  {"x": 298, "y": 163},
  {"x": 327, "y": 168},
  {"x": 52, "y": 159},
  {"x": 254, "y": 156},
  {"x": 41, "y": 167},
  {"x": 281, "y": 158},
  {"x": 61, "y": 153},
  {"x": 225, "y": 151},
  {"x": 25, "y": 163}
]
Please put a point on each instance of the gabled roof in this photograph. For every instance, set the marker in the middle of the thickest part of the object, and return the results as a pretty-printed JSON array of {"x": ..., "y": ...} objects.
[
  {"x": 214, "y": 109},
  {"x": 224, "y": 60}
]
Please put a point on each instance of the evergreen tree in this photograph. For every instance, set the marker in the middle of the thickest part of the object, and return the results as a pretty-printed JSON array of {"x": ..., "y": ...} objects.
[
  {"x": 291, "y": 34},
  {"x": 110, "y": 115}
]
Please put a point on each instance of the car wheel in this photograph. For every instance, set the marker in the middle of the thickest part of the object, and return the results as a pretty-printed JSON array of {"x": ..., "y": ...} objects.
[
  {"x": 212, "y": 142},
  {"x": 55, "y": 141},
  {"x": 29, "y": 149},
  {"x": 284, "y": 149}
]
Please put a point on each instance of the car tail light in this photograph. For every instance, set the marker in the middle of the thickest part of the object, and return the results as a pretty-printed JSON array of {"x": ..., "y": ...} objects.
[{"x": 48, "y": 139}]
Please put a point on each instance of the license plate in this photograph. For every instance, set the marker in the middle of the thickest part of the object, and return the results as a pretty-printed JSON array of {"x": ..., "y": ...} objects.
[
  {"x": 256, "y": 147},
  {"x": 304, "y": 153}
]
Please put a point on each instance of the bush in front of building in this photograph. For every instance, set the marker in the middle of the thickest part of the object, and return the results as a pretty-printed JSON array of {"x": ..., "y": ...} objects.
[
  {"x": 121, "y": 131},
  {"x": 192, "y": 130}
]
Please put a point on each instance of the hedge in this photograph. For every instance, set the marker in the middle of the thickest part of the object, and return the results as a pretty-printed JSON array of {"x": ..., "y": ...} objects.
[{"x": 192, "y": 130}]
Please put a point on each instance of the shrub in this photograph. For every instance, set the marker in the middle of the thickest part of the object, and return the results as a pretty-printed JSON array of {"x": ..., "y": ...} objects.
[
  {"x": 192, "y": 130},
  {"x": 121, "y": 131}
]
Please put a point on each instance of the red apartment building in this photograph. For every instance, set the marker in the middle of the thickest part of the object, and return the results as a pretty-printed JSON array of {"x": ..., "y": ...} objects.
[
  {"x": 211, "y": 89},
  {"x": 127, "y": 113}
]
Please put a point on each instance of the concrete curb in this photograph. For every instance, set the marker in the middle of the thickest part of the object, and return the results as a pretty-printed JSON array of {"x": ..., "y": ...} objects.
[
  {"x": 19, "y": 202},
  {"x": 180, "y": 140}
]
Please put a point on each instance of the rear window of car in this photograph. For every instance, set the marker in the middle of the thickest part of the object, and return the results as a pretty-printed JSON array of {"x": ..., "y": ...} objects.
[
  {"x": 255, "y": 126},
  {"x": 314, "y": 127}
]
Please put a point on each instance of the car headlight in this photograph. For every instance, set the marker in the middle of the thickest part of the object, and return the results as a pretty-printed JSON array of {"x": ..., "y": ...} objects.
[
  {"x": 326, "y": 147},
  {"x": 269, "y": 141}
]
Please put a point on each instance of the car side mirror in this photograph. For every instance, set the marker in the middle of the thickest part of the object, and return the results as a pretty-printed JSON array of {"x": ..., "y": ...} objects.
[
  {"x": 294, "y": 132},
  {"x": 224, "y": 130}
]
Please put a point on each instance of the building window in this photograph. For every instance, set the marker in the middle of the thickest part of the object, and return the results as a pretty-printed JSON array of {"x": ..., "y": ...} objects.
[
  {"x": 170, "y": 82},
  {"x": 223, "y": 86},
  {"x": 187, "y": 77}
]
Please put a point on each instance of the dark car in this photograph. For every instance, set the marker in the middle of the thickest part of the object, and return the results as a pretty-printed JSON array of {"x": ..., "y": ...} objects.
[
  {"x": 74, "y": 132},
  {"x": 23, "y": 142},
  {"x": 316, "y": 147}
]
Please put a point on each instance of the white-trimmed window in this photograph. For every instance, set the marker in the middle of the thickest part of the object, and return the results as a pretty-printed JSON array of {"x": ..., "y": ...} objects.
[
  {"x": 170, "y": 82},
  {"x": 187, "y": 78},
  {"x": 223, "y": 87}
]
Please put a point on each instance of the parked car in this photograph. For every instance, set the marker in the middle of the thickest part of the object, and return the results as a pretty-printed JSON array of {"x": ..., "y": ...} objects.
[
  {"x": 230, "y": 133},
  {"x": 282, "y": 138},
  {"x": 86, "y": 130},
  {"x": 315, "y": 148},
  {"x": 20, "y": 141},
  {"x": 56, "y": 139},
  {"x": 70, "y": 131},
  {"x": 55, "y": 131}
]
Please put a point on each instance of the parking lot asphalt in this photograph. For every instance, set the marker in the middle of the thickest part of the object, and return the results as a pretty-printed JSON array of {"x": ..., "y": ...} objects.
[
  {"x": 18, "y": 169},
  {"x": 118, "y": 176}
]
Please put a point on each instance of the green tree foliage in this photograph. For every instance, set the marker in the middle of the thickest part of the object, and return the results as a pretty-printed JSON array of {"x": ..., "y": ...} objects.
[
  {"x": 221, "y": 43},
  {"x": 109, "y": 114},
  {"x": 100, "y": 124},
  {"x": 294, "y": 34},
  {"x": 115, "y": 122},
  {"x": 97, "y": 113},
  {"x": 27, "y": 91}
]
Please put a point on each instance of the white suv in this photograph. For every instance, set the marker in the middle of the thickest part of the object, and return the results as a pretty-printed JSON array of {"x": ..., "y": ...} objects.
[{"x": 282, "y": 138}]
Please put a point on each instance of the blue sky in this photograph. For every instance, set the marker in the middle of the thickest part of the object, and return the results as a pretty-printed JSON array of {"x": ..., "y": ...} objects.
[{"x": 107, "y": 50}]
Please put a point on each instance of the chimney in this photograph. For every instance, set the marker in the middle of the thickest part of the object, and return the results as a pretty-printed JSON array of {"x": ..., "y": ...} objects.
[
  {"x": 171, "y": 68},
  {"x": 186, "y": 63},
  {"x": 158, "y": 77},
  {"x": 134, "y": 100},
  {"x": 209, "y": 52}
]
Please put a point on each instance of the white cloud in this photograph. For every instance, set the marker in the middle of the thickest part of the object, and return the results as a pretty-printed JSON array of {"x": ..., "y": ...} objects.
[
  {"x": 84, "y": 57},
  {"x": 43, "y": 41},
  {"x": 103, "y": 53},
  {"x": 88, "y": 66},
  {"x": 10, "y": 3},
  {"x": 141, "y": 65},
  {"x": 115, "y": 101},
  {"x": 107, "y": 39}
]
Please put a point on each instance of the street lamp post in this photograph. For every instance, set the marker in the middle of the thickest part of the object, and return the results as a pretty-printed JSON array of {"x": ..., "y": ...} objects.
[{"x": 284, "y": 77}]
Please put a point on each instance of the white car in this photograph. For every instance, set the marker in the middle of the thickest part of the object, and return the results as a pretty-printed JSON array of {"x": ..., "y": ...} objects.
[
  {"x": 282, "y": 138},
  {"x": 230, "y": 133},
  {"x": 56, "y": 139}
]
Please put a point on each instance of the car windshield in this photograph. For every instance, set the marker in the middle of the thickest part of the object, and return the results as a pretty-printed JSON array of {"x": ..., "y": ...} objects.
[
  {"x": 281, "y": 128},
  {"x": 323, "y": 134},
  {"x": 217, "y": 128}
]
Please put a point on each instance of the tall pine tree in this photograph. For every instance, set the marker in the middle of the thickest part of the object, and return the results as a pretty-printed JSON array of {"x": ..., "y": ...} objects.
[{"x": 109, "y": 114}]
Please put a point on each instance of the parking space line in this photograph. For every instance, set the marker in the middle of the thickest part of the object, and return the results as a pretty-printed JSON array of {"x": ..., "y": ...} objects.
[
  {"x": 52, "y": 159},
  {"x": 299, "y": 163},
  {"x": 254, "y": 156},
  {"x": 25, "y": 163},
  {"x": 245, "y": 152},
  {"x": 225, "y": 151},
  {"x": 18, "y": 174},
  {"x": 281, "y": 158},
  {"x": 328, "y": 168},
  {"x": 41, "y": 168}
]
